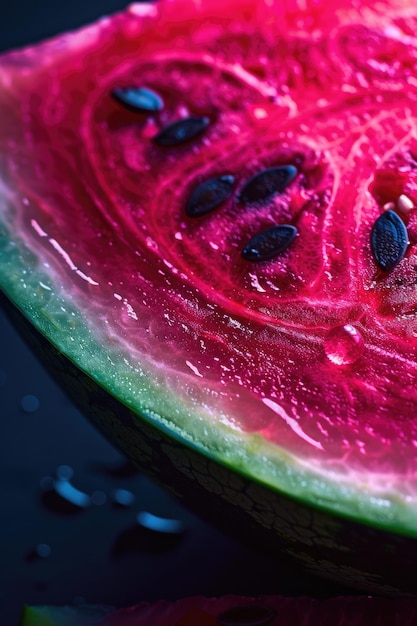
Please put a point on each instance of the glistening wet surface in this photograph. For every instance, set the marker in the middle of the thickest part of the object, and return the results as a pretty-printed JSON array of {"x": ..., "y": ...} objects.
[
  {"x": 53, "y": 556},
  {"x": 80, "y": 523}
]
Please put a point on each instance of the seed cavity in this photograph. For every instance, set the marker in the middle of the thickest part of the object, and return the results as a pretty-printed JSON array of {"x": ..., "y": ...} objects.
[
  {"x": 389, "y": 240},
  {"x": 269, "y": 243},
  {"x": 246, "y": 615},
  {"x": 209, "y": 195},
  {"x": 181, "y": 131},
  {"x": 139, "y": 99},
  {"x": 266, "y": 184}
]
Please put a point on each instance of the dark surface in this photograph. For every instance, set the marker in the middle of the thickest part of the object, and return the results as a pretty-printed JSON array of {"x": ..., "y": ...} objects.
[{"x": 56, "y": 554}]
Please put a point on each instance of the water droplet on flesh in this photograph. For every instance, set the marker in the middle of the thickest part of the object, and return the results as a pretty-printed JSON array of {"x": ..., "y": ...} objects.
[
  {"x": 344, "y": 345},
  {"x": 29, "y": 403}
]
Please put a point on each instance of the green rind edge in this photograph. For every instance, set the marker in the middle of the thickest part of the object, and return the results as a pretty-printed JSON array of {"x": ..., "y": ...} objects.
[
  {"x": 52, "y": 314},
  {"x": 62, "y": 615}
]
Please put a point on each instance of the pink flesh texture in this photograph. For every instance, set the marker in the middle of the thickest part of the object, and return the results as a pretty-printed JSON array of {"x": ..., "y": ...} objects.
[
  {"x": 240, "y": 610},
  {"x": 95, "y": 198},
  {"x": 360, "y": 610}
]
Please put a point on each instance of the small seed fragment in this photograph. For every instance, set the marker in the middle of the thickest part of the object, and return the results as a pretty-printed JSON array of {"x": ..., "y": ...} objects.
[
  {"x": 404, "y": 204},
  {"x": 269, "y": 243},
  {"x": 209, "y": 195},
  {"x": 140, "y": 99},
  {"x": 181, "y": 131},
  {"x": 389, "y": 240},
  {"x": 270, "y": 182}
]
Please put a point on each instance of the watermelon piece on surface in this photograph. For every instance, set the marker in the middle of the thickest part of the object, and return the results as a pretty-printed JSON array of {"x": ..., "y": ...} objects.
[
  {"x": 242, "y": 611},
  {"x": 260, "y": 344},
  {"x": 64, "y": 615}
]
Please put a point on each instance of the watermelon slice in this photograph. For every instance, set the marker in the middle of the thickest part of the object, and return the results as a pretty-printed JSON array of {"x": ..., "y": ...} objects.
[
  {"x": 234, "y": 610},
  {"x": 83, "y": 615},
  {"x": 207, "y": 230}
]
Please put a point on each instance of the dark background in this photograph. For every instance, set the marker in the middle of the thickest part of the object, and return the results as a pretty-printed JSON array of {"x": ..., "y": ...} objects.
[{"x": 97, "y": 554}]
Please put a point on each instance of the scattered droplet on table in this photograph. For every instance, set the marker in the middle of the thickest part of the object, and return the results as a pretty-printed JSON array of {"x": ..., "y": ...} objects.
[
  {"x": 43, "y": 550},
  {"x": 123, "y": 497},
  {"x": 64, "y": 472},
  {"x": 61, "y": 496},
  {"x": 98, "y": 498},
  {"x": 29, "y": 403},
  {"x": 151, "y": 534},
  {"x": 159, "y": 524}
]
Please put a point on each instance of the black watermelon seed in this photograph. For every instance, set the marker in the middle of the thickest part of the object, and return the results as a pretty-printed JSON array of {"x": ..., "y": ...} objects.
[
  {"x": 269, "y": 243},
  {"x": 389, "y": 240},
  {"x": 181, "y": 131},
  {"x": 140, "y": 99},
  {"x": 265, "y": 184},
  {"x": 209, "y": 195},
  {"x": 246, "y": 615}
]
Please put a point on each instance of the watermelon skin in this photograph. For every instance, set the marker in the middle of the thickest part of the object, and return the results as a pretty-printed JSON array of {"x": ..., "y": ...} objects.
[
  {"x": 242, "y": 434},
  {"x": 340, "y": 549},
  {"x": 278, "y": 611},
  {"x": 64, "y": 616}
]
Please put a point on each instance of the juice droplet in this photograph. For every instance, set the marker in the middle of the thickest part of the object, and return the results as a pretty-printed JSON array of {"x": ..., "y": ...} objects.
[
  {"x": 123, "y": 498},
  {"x": 29, "y": 403},
  {"x": 344, "y": 345},
  {"x": 43, "y": 550}
]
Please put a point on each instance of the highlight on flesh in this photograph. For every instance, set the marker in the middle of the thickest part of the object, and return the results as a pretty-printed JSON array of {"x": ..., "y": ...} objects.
[{"x": 306, "y": 359}]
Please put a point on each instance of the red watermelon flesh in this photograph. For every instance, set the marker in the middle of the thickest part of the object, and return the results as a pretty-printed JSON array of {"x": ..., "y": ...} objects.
[
  {"x": 233, "y": 610},
  {"x": 299, "y": 371}
]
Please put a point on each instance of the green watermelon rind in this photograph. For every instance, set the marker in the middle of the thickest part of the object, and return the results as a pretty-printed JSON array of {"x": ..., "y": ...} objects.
[
  {"x": 64, "y": 615},
  {"x": 143, "y": 390},
  {"x": 285, "y": 610}
]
